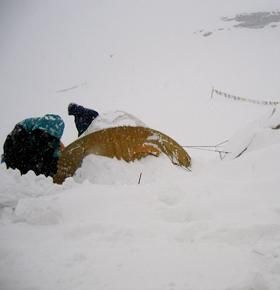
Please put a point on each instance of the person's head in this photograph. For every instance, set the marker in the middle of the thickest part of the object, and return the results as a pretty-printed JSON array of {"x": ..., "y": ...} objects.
[
  {"x": 73, "y": 109},
  {"x": 83, "y": 116}
]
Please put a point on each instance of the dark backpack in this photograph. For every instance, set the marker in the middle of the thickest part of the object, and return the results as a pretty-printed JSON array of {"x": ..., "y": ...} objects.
[
  {"x": 34, "y": 151},
  {"x": 17, "y": 149}
]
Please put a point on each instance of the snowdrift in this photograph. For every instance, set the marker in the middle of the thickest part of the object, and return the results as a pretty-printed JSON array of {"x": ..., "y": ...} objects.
[
  {"x": 171, "y": 230},
  {"x": 259, "y": 134}
]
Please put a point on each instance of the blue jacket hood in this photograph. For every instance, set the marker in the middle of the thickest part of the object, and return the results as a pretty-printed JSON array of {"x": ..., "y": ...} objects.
[{"x": 50, "y": 123}]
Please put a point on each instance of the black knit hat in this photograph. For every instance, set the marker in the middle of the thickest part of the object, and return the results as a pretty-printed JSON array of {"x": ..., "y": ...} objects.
[{"x": 72, "y": 108}]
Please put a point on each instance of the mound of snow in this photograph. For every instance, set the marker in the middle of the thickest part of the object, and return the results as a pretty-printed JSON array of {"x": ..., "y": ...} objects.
[
  {"x": 165, "y": 234},
  {"x": 15, "y": 187},
  {"x": 113, "y": 119},
  {"x": 253, "y": 166},
  {"x": 104, "y": 170},
  {"x": 258, "y": 134},
  {"x": 219, "y": 223}
]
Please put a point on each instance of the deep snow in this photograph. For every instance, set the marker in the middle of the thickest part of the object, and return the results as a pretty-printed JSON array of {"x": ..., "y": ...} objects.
[{"x": 214, "y": 228}]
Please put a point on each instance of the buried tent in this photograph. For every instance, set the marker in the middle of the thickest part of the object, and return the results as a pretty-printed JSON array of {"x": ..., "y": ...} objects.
[
  {"x": 128, "y": 143},
  {"x": 258, "y": 134}
]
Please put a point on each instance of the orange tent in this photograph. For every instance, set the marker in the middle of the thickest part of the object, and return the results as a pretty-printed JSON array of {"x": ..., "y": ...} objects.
[{"x": 125, "y": 142}]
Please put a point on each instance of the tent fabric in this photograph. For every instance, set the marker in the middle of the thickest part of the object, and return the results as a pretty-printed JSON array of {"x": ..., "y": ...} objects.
[{"x": 125, "y": 142}]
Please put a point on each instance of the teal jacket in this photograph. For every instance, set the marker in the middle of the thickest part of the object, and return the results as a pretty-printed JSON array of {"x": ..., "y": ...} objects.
[{"x": 52, "y": 124}]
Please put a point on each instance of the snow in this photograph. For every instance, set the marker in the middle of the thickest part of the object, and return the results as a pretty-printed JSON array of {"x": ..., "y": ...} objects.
[
  {"x": 149, "y": 224},
  {"x": 220, "y": 222},
  {"x": 113, "y": 119},
  {"x": 258, "y": 134}
]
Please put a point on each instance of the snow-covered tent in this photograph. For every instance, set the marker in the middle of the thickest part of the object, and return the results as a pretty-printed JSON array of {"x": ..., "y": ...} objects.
[
  {"x": 125, "y": 142},
  {"x": 258, "y": 134},
  {"x": 122, "y": 136}
]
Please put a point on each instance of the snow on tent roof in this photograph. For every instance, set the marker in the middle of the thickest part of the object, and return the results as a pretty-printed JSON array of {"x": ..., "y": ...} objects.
[{"x": 113, "y": 119}]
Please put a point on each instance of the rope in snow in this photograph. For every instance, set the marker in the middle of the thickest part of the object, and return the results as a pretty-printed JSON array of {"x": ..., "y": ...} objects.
[
  {"x": 237, "y": 98},
  {"x": 205, "y": 149},
  {"x": 210, "y": 148},
  {"x": 206, "y": 146}
]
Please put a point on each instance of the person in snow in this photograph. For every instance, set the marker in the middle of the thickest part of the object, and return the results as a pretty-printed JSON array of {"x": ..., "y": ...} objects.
[
  {"x": 34, "y": 144},
  {"x": 83, "y": 117}
]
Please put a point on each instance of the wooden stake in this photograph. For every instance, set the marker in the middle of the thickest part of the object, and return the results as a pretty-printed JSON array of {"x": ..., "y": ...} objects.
[
  {"x": 212, "y": 93},
  {"x": 139, "y": 180}
]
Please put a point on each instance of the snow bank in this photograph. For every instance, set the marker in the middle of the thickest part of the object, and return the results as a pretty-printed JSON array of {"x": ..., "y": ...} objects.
[
  {"x": 16, "y": 188},
  {"x": 104, "y": 170},
  {"x": 169, "y": 231}
]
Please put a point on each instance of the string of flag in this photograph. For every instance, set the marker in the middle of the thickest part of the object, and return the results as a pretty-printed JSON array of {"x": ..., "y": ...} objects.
[{"x": 237, "y": 98}]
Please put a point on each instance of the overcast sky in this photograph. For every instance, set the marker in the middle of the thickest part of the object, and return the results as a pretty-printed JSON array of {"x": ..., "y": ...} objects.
[{"x": 149, "y": 58}]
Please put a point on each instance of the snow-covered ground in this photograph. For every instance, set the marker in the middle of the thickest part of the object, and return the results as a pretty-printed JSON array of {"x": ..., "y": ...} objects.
[{"x": 145, "y": 225}]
